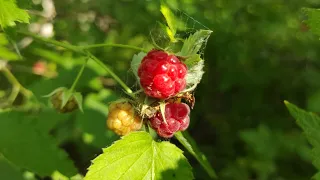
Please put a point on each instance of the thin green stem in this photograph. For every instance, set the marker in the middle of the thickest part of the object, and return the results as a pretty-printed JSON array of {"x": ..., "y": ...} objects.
[
  {"x": 98, "y": 61},
  {"x": 54, "y": 42},
  {"x": 12, "y": 79},
  {"x": 79, "y": 49},
  {"x": 78, "y": 76},
  {"x": 13, "y": 95},
  {"x": 113, "y": 45}
]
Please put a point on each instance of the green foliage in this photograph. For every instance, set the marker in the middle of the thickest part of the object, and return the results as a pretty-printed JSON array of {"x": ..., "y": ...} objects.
[
  {"x": 193, "y": 44},
  {"x": 5, "y": 53},
  {"x": 135, "y": 63},
  {"x": 186, "y": 140},
  {"x": 141, "y": 158},
  {"x": 195, "y": 75},
  {"x": 23, "y": 143},
  {"x": 9, "y": 13},
  {"x": 310, "y": 123},
  {"x": 313, "y": 20},
  {"x": 171, "y": 29},
  {"x": 8, "y": 171}
]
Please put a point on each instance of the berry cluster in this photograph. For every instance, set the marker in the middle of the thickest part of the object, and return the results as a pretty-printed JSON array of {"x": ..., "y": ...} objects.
[
  {"x": 122, "y": 118},
  {"x": 176, "y": 119},
  {"x": 162, "y": 75}
]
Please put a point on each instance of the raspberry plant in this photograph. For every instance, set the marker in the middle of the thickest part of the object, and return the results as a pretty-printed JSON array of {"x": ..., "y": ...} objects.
[
  {"x": 146, "y": 119},
  {"x": 36, "y": 132}
]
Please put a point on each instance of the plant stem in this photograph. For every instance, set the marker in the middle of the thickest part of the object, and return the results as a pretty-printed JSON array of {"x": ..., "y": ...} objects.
[
  {"x": 78, "y": 49},
  {"x": 78, "y": 76},
  {"x": 15, "y": 82},
  {"x": 54, "y": 42},
  {"x": 114, "y": 45},
  {"x": 98, "y": 61}
]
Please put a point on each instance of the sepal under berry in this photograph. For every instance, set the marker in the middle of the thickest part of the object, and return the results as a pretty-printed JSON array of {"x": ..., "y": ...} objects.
[{"x": 65, "y": 101}]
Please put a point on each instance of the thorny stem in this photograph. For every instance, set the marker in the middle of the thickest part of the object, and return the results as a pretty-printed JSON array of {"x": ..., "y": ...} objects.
[
  {"x": 78, "y": 76},
  {"x": 81, "y": 50},
  {"x": 16, "y": 84}
]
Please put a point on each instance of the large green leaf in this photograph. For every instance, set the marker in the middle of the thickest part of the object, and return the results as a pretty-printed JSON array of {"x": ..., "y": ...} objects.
[
  {"x": 138, "y": 156},
  {"x": 186, "y": 140},
  {"x": 10, "y": 12},
  {"x": 26, "y": 146},
  {"x": 310, "y": 124}
]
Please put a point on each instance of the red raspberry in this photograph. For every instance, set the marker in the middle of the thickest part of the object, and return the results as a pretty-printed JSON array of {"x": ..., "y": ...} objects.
[
  {"x": 177, "y": 119},
  {"x": 162, "y": 75}
]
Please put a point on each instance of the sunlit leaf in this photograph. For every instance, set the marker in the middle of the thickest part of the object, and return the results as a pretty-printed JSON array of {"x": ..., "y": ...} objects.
[
  {"x": 10, "y": 13},
  {"x": 171, "y": 21},
  {"x": 138, "y": 156}
]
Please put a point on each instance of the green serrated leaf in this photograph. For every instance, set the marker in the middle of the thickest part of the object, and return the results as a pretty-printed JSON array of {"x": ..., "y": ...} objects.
[
  {"x": 186, "y": 140},
  {"x": 310, "y": 124},
  {"x": 24, "y": 145},
  {"x": 135, "y": 63},
  {"x": 313, "y": 20},
  {"x": 193, "y": 60},
  {"x": 193, "y": 44},
  {"x": 10, "y": 13},
  {"x": 171, "y": 29},
  {"x": 194, "y": 76},
  {"x": 78, "y": 98},
  {"x": 138, "y": 156}
]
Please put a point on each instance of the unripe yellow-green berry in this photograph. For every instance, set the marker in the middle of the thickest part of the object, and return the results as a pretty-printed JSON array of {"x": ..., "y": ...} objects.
[{"x": 122, "y": 118}]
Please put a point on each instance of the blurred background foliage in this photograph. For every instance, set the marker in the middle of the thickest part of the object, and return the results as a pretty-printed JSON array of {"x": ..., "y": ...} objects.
[{"x": 260, "y": 53}]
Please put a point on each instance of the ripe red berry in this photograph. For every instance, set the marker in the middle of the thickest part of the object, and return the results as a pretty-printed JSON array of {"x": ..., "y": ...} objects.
[
  {"x": 162, "y": 75},
  {"x": 177, "y": 119}
]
